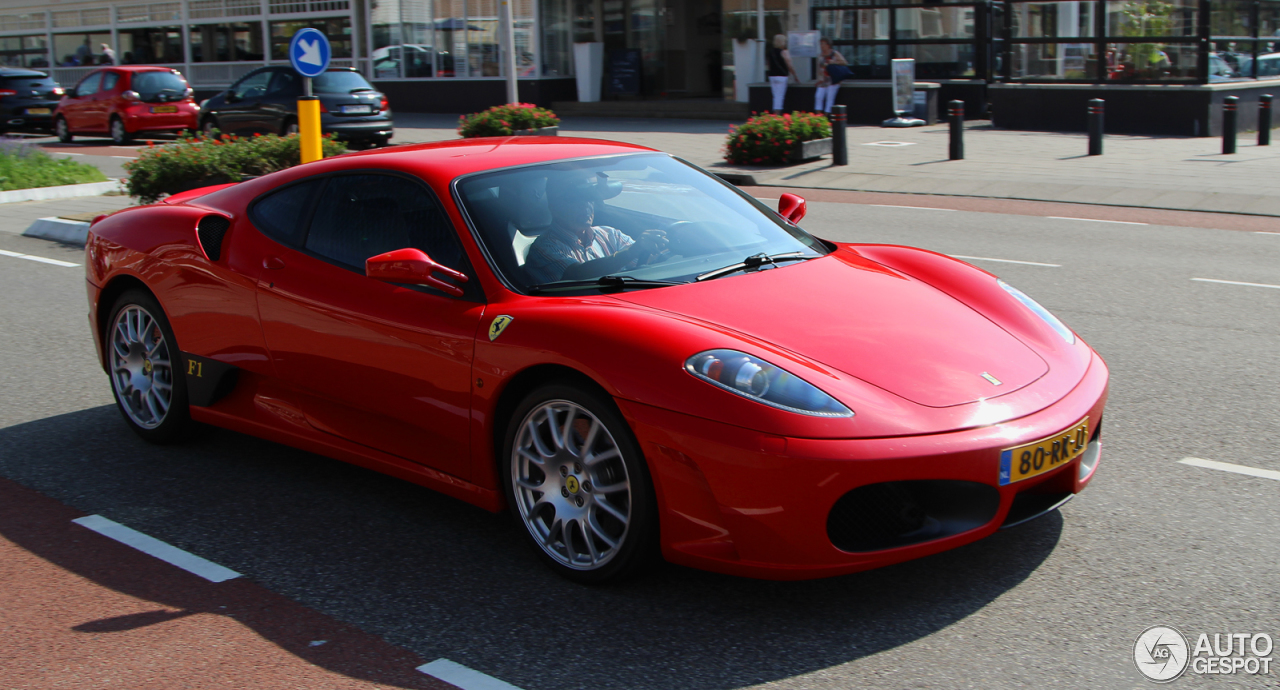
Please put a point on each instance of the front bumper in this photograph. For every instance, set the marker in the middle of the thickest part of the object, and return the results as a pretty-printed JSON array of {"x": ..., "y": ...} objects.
[{"x": 750, "y": 504}]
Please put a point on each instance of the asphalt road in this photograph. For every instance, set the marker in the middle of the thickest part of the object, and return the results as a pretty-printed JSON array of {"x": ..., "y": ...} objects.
[{"x": 1055, "y": 603}]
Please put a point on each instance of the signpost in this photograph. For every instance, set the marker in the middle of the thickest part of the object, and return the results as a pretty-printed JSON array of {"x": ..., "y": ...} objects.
[
  {"x": 904, "y": 83},
  {"x": 309, "y": 54}
]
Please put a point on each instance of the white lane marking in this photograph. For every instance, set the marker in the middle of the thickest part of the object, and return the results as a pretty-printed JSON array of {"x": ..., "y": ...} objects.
[
  {"x": 154, "y": 547},
  {"x": 1004, "y": 261},
  {"x": 468, "y": 679},
  {"x": 1235, "y": 282},
  {"x": 923, "y": 208},
  {"x": 1228, "y": 467},
  {"x": 129, "y": 157},
  {"x": 1260, "y": 232},
  {"x": 889, "y": 143},
  {"x": 1096, "y": 220},
  {"x": 69, "y": 154},
  {"x": 41, "y": 259}
]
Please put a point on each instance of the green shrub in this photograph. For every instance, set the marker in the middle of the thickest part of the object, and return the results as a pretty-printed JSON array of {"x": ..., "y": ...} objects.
[
  {"x": 195, "y": 160},
  {"x": 503, "y": 120},
  {"x": 24, "y": 167},
  {"x": 768, "y": 139}
]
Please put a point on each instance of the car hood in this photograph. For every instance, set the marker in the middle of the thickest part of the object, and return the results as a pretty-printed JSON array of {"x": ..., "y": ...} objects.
[{"x": 881, "y": 326}]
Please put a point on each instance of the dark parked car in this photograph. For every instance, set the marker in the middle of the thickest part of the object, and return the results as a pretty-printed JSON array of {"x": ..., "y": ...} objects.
[
  {"x": 27, "y": 100},
  {"x": 265, "y": 101}
]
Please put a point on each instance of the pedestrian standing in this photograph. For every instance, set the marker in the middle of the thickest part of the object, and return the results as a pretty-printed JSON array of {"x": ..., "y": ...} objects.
[
  {"x": 828, "y": 85},
  {"x": 780, "y": 70},
  {"x": 108, "y": 55}
]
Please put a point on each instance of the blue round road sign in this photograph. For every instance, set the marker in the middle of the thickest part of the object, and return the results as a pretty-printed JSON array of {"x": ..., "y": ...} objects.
[{"x": 309, "y": 52}]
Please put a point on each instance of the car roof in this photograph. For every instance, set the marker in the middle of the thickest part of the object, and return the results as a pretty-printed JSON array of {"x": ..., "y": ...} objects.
[{"x": 20, "y": 73}]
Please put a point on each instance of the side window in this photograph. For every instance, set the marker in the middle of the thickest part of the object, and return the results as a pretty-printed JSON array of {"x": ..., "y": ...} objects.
[
  {"x": 252, "y": 86},
  {"x": 89, "y": 85},
  {"x": 365, "y": 215},
  {"x": 285, "y": 83},
  {"x": 109, "y": 80},
  {"x": 281, "y": 213}
]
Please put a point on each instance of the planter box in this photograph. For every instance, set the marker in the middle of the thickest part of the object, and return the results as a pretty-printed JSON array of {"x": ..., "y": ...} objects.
[
  {"x": 539, "y": 132},
  {"x": 809, "y": 150}
]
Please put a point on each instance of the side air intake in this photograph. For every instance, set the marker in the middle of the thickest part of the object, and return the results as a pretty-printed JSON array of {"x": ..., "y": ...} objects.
[{"x": 211, "y": 230}]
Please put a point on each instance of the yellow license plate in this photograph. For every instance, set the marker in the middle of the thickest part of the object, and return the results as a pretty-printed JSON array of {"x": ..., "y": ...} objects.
[
  {"x": 165, "y": 109},
  {"x": 37, "y": 111},
  {"x": 1029, "y": 460}
]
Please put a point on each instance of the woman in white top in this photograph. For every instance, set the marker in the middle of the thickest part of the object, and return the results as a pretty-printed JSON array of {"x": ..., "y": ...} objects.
[
  {"x": 826, "y": 90},
  {"x": 780, "y": 70}
]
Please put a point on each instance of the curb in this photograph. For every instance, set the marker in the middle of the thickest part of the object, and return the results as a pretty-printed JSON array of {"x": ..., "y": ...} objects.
[
  {"x": 59, "y": 230},
  {"x": 66, "y": 191}
]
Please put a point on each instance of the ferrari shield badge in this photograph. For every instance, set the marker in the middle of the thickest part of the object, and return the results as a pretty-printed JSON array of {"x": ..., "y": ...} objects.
[{"x": 499, "y": 325}]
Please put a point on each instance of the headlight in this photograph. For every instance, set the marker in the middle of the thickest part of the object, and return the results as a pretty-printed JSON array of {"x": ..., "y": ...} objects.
[
  {"x": 1040, "y": 311},
  {"x": 758, "y": 380}
]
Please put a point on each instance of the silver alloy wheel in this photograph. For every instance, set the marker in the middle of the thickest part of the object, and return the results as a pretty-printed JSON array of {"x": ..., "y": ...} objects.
[
  {"x": 209, "y": 126},
  {"x": 118, "y": 134},
  {"x": 141, "y": 369},
  {"x": 571, "y": 485},
  {"x": 290, "y": 129},
  {"x": 61, "y": 129}
]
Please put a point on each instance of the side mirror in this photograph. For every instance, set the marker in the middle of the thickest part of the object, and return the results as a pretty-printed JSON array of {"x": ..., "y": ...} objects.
[
  {"x": 71, "y": 93},
  {"x": 131, "y": 96},
  {"x": 414, "y": 267},
  {"x": 792, "y": 207},
  {"x": 230, "y": 96}
]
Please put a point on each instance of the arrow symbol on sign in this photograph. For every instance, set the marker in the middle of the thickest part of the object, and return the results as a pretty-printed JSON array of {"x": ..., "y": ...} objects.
[{"x": 310, "y": 52}]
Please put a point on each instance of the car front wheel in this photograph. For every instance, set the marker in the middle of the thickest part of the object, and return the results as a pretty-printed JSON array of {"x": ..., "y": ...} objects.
[
  {"x": 145, "y": 366},
  {"x": 578, "y": 484},
  {"x": 62, "y": 131},
  {"x": 209, "y": 127}
]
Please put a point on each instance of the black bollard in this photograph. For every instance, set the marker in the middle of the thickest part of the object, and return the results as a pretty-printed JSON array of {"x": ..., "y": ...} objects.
[
  {"x": 1096, "y": 125},
  {"x": 839, "y": 145},
  {"x": 955, "y": 109},
  {"x": 1264, "y": 120},
  {"x": 1229, "y": 114}
]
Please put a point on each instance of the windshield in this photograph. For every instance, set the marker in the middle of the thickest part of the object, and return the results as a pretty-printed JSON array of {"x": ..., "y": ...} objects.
[
  {"x": 159, "y": 85},
  {"x": 648, "y": 217},
  {"x": 340, "y": 81}
]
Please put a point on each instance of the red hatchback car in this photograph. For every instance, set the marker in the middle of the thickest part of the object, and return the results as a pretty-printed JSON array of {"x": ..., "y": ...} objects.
[{"x": 125, "y": 101}]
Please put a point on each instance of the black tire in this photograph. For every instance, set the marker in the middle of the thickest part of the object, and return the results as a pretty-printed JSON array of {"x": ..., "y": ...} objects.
[
  {"x": 136, "y": 373},
  {"x": 119, "y": 135},
  {"x": 635, "y": 540},
  {"x": 209, "y": 127},
  {"x": 290, "y": 126},
  {"x": 62, "y": 130}
]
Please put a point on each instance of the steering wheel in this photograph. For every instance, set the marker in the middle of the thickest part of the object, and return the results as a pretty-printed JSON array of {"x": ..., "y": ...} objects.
[{"x": 695, "y": 237}]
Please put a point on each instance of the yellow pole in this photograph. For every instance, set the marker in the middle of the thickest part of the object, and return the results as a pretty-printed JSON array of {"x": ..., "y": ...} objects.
[{"x": 309, "y": 128}]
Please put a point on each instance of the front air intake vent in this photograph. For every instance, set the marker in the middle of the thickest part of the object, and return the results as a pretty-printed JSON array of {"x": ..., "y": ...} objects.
[
  {"x": 894, "y": 514},
  {"x": 211, "y": 230}
]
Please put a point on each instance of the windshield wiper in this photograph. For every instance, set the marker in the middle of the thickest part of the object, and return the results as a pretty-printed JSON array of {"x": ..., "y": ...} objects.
[
  {"x": 754, "y": 261},
  {"x": 616, "y": 282}
]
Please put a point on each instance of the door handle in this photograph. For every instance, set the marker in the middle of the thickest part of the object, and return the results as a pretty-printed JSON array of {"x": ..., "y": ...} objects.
[{"x": 273, "y": 263}]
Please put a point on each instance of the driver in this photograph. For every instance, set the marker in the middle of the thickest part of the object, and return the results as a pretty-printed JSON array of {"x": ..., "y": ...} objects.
[{"x": 573, "y": 248}]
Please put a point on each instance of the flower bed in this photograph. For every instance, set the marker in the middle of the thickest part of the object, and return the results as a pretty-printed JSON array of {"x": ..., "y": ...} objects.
[
  {"x": 195, "y": 161},
  {"x": 505, "y": 120},
  {"x": 771, "y": 139},
  {"x": 23, "y": 167}
]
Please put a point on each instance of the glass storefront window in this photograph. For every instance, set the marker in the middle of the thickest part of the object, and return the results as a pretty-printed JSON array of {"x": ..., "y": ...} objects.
[
  {"x": 934, "y": 22},
  {"x": 560, "y": 23},
  {"x": 337, "y": 30},
  {"x": 1231, "y": 59},
  {"x": 150, "y": 46},
  {"x": 1151, "y": 61},
  {"x": 24, "y": 51},
  {"x": 1141, "y": 18},
  {"x": 1052, "y": 19},
  {"x": 238, "y": 42},
  {"x": 848, "y": 25},
  {"x": 1054, "y": 61},
  {"x": 80, "y": 49},
  {"x": 867, "y": 62},
  {"x": 1230, "y": 18},
  {"x": 1269, "y": 20},
  {"x": 934, "y": 61}
]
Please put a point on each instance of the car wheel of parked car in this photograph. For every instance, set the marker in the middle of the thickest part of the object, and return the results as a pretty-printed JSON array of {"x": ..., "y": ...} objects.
[
  {"x": 119, "y": 134},
  {"x": 290, "y": 127},
  {"x": 210, "y": 127},
  {"x": 145, "y": 366},
  {"x": 578, "y": 484},
  {"x": 62, "y": 131}
]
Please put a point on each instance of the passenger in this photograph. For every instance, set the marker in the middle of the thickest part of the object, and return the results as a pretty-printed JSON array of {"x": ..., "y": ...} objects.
[{"x": 573, "y": 248}]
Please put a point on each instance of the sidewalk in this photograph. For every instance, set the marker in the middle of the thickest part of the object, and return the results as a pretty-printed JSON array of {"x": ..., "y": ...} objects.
[{"x": 1185, "y": 174}]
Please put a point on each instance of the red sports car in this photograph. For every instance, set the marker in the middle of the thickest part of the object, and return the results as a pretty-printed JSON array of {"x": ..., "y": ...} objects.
[{"x": 630, "y": 355}]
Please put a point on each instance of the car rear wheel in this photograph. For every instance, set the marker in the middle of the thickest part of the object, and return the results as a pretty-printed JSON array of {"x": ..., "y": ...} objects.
[
  {"x": 145, "y": 366},
  {"x": 119, "y": 135},
  {"x": 578, "y": 484},
  {"x": 62, "y": 131}
]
